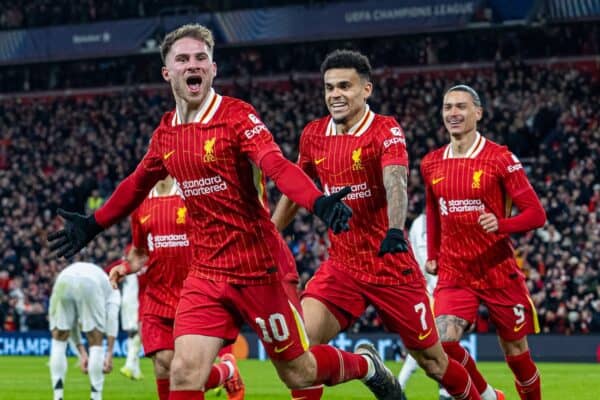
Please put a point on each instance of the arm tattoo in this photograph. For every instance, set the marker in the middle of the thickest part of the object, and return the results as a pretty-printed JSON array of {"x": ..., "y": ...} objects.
[
  {"x": 395, "y": 181},
  {"x": 450, "y": 327}
]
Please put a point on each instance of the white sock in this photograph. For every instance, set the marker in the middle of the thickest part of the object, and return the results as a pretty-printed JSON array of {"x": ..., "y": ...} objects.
[
  {"x": 231, "y": 369},
  {"x": 135, "y": 351},
  {"x": 58, "y": 367},
  {"x": 95, "y": 364},
  {"x": 488, "y": 393},
  {"x": 370, "y": 369},
  {"x": 409, "y": 368},
  {"x": 444, "y": 392},
  {"x": 130, "y": 352}
]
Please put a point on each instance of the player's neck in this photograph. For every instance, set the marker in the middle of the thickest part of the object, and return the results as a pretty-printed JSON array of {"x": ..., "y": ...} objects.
[
  {"x": 345, "y": 126},
  {"x": 186, "y": 111},
  {"x": 462, "y": 144}
]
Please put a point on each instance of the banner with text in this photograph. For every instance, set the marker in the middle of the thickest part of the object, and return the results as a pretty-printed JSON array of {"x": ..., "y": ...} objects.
[
  {"x": 268, "y": 25},
  {"x": 550, "y": 348}
]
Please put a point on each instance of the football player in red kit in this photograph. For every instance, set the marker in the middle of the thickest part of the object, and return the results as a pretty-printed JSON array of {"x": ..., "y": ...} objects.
[
  {"x": 373, "y": 262},
  {"x": 219, "y": 151},
  {"x": 471, "y": 184}
]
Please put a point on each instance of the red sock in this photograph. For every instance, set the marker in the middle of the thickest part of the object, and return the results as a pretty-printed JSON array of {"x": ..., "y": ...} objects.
[
  {"x": 186, "y": 395},
  {"x": 310, "y": 393},
  {"x": 218, "y": 374},
  {"x": 458, "y": 353},
  {"x": 226, "y": 349},
  {"x": 162, "y": 387},
  {"x": 458, "y": 383},
  {"x": 336, "y": 366},
  {"x": 527, "y": 376}
]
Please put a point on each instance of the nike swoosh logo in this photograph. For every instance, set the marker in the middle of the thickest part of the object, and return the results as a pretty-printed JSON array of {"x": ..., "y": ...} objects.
[
  {"x": 423, "y": 336},
  {"x": 435, "y": 181},
  {"x": 284, "y": 348},
  {"x": 144, "y": 219},
  {"x": 320, "y": 160},
  {"x": 167, "y": 155},
  {"x": 519, "y": 327}
]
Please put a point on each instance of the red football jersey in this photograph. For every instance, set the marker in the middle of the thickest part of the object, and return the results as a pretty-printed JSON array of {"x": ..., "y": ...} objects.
[
  {"x": 357, "y": 159},
  {"x": 458, "y": 191},
  {"x": 215, "y": 162},
  {"x": 159, "y": 226}
]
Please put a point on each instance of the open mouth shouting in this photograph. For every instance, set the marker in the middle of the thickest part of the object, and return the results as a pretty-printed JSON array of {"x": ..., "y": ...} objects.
[{"x": 194, "y": 83}]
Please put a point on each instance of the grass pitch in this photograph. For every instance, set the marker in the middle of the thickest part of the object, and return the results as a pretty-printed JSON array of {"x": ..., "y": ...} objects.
[{"x": 28, "y": 378}]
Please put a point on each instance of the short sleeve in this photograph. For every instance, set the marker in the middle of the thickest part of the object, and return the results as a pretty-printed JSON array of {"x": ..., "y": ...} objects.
[
  {"x": 393, "y": 144},
  {"x": 137, "y": 232},
  {"x": 254, "y": 137}
]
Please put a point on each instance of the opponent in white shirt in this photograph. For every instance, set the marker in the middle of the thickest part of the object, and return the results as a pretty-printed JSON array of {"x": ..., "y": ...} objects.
[{"x": 83, "y": 300}]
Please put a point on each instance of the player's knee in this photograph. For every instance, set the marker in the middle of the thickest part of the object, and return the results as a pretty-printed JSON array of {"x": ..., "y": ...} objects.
[
  {"x": 433, "y": 361},
  {"x": 94, "y": 337},
  {"x": 162, "y": 368},
  {"x": 434, "y": 368},
  {"x": 297, "y": 373},
  {"x": 180, "y": 371},
  {"x": 60, "y": 335}
]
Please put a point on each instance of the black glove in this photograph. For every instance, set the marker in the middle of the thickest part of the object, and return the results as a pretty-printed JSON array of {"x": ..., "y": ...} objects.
[
  {"x": 79, "y": 230},
  {"x": 333, "y": 212},
  {"x": 393, "y": 242}
]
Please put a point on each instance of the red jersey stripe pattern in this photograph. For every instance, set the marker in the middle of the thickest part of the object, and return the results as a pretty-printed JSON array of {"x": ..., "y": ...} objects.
[
  {"x": 159, "y": 226},
  {"x": 357, "y": 159},
  {"x": 458, "y": 191}
]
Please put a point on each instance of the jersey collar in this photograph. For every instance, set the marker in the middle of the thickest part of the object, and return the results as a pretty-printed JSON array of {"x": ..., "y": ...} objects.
[
  {"x": 473, "y": 151},
  {"x": 358, "y": 129},
  {"x": 207, "y": 111}
]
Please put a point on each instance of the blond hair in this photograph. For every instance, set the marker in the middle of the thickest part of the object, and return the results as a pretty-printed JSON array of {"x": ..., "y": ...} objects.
[{"x": 196, "y": 31}]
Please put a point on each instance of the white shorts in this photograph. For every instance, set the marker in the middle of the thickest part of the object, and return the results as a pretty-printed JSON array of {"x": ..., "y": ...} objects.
[
  {"x": 77, "y": 299},
  {"x": 129, "y": 303}
]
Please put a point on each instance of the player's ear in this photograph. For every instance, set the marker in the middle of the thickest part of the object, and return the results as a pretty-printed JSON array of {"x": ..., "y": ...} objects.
[
  {"x": 214, "y": 69},
  {"x": 479, "y": 113},
  {"x": 164, "y": 71},
  {"x": 368, "y": 88}
]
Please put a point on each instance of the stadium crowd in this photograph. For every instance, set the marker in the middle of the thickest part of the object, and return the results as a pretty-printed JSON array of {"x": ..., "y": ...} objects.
[
  {"x": 37, "y": 13},
  {"x": 407, "y": 50},
  {"x": 70, "y": 151}
]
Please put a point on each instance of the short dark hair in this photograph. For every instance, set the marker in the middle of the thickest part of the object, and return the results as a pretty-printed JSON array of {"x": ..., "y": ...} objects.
[
  {"x": 348, "y": 59},
  {"x": 468, "y": 89}
]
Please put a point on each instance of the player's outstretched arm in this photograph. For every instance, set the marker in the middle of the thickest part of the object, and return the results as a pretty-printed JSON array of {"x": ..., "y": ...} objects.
[
  {"x": 395, "y": 179},
  {"x": 299, "y": 188},
  {"x": 79, "y": 230}
]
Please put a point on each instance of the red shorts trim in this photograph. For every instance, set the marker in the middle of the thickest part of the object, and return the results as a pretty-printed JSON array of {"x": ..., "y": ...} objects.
[
  {"x": 157, "y": 334},
  {"x": 510, "y": 308},
  {"x": 404, "y": 309},
  {"x": 218, "y": 309}
]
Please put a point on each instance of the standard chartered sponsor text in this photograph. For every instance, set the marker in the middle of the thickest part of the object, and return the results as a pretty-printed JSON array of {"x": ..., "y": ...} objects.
[
  {"x": 172, "y": 240},
  {"x": 203, "y": 186},
  {"x": 465, "y": 205}
]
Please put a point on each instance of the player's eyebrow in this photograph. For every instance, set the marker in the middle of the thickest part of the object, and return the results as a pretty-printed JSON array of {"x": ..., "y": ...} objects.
[{"x": 460, "y": 103}]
